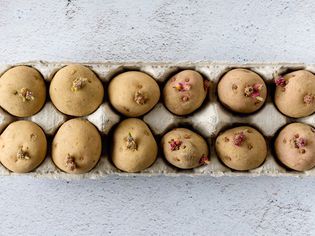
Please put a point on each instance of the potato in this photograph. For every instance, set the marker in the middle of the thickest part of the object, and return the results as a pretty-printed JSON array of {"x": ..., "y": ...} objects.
[
  {"x": 133, "y": 147},
  {"x": 76, "y": 91},
  {"x": 23, "y": 146},
  {"x": 242, "y": 91},
  {"x": 76, "y": 147},
  {"x": 185, "y": 92},
  {"x": 133, "y": 93},
  {"x": 241, "y": 148},
  {"x": 22, "y": 91},
  {"x": 295, "y": 146},
  {"x": 185, "y": 149},
  {"x": 295, "y": 94}
]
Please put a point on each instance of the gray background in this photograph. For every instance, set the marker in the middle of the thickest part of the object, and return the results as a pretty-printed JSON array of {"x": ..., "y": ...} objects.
[{"x": 163, "y": 30}]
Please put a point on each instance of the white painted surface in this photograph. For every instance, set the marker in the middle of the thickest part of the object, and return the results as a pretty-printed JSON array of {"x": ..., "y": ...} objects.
[{"x": 157, "y": 30}]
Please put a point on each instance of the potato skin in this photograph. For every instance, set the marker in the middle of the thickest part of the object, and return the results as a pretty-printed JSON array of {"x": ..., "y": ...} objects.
[
  {"x": 290, "y": 153},
  {"x": 76, "y": 147},
  {"x": 80, "y": 102},
  {"x": 130, "y": 159},
  {"x": 12, "y": 83},
  {"x": 26, "y": 138},
  {"x": 241, "y": 155},
  {"x": 231, "y": 91},
  {"x": 185, "y": 102},
  {"x": 125, "y": 88},
  {"x": 191, "y": 152},
  {"x": 290, "y": 98}
]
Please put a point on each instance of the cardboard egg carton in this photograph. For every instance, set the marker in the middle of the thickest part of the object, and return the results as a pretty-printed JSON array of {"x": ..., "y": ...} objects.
[{"x": 208, "y": 121}]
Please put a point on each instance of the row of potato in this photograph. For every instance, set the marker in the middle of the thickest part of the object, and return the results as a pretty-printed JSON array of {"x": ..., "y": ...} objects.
[
  {"x": 77, "y": 146},
  {"x": 75, "y": 90}
]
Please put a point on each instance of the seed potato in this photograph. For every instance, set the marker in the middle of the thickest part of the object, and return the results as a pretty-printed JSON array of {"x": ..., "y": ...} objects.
[
  {"x": 133, "y": 146},
  {"x": 185, "y": 92},
  {"x": 76, "y": 147},
  {"x": 295, "y": 93},
  {"x": 185, "y": 149},
  {"x": 133, "y": 93},
  {"x": 241, "y": 148},
  {"x": 242, "y": 91},
  {"x": 23, "y": 146},
  {"x": 295, "y": 146},
  {"x": 22, "y": 91},
  {"x": 76, "y": 91}
]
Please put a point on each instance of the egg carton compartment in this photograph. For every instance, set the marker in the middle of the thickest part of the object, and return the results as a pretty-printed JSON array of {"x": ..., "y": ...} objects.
[{"x": 208, "y": 120}]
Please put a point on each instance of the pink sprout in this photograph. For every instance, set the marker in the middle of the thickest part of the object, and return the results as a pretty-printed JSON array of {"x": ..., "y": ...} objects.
[
  {"x": 204, "y": 160},
  {"x": 300, "y": 142},
  {"x": 175, "y": 144},
  {"x": 280, "y": 81},
  {"x": 254, "y": 91},
  {"x": 308, "y": 99},
  {"x": 206, "y": 84},
  {"x": 183, "y": 86},
  {"x": 239, "y": 138}
]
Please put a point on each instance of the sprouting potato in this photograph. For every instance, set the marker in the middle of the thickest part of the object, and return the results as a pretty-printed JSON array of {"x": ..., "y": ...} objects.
[
  {"x": 76, "y": 147},
  {"x": 185, "y": 92},
  {"x": 22, "y": 91},
  {"x": 23, "y": 146},
  {"x": 295, "y": 93},
  {"x": 133, "y": 146},
  {"x": 75, "y": 90},
  {"x": 241, "y": 148},
  {"x": 185, "y": 149},
  {"x": 242, "y": 91},
  {"x": 295, "y": 146},
  {"x": 133, "y": 93}
]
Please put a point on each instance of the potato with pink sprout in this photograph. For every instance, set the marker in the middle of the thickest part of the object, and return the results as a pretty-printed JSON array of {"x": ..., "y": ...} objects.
[
  {"x": 185, "y": 92},
  {"x": 295, "y": 93},
  {"x": 295, "y": 146},
  {"x": 185, "y": 149},
  {"x": 242, "y": 91},
  {"x": 241, "y": 148}
]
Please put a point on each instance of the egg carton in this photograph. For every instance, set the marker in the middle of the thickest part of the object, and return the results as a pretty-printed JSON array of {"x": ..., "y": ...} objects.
[{"x": 208, "y": 120}]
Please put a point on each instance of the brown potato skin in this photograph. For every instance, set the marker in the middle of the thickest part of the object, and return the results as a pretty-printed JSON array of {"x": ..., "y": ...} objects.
[
  {"x": 291, "y": 156},
  {"x": 173, "y": 99},
  {"x": 133, "y": 160},
  {"x": 31, "y": 138},
  {"x": 192, "y": 149},
  {"x": 241, "y": 157},
  {"x": 122, "y": 90},
  {"x": 11, "y": 83},
  {"x": 79, "y": 139},
  {"x": 76, "y": 103},
  {"x": 290, "y": 99},
  {"x": 234, "y": 99}
]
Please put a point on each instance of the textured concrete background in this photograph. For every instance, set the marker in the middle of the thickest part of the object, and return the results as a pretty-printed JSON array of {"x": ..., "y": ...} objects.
[{"x": 157, "y": 30}]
